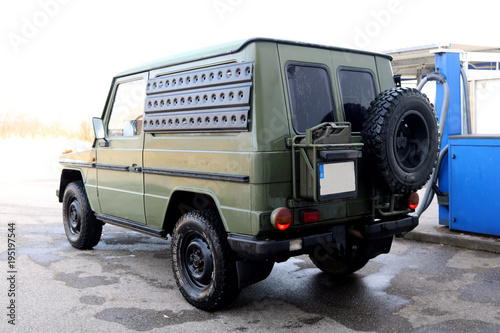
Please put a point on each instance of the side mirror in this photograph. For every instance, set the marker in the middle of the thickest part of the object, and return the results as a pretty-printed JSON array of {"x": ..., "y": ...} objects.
[
  {"x": 99, "y": 132},
  {"x": 98, "y": 128}
]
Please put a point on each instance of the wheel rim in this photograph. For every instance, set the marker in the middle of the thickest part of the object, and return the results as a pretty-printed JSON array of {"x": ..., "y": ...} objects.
[
  {"x": 411, "y": 143},
  {"x": 74, "y": 218},
  {"x": 197, "y": 262}
]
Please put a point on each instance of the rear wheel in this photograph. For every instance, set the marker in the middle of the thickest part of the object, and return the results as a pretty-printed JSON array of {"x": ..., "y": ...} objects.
[
  {"x": 337, "y": 262},
  {"x": 82, "y": 229},
  {"x": 338, "y": 266},
  {"x": 203, "y": 263}
]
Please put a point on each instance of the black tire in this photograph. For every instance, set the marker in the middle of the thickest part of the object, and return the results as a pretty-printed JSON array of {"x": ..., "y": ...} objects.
[
  {"x": 82, "y": 228},
  {"x": 400, "y": 137},
  {"x": 329, "y": 260},
  {"x": 203, "y": 264}
]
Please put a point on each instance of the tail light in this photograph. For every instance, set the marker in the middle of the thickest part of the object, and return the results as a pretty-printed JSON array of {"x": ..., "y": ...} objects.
[
  {"x": 413, "y": 200},
  {"x": 309, "y": 216},
  {"x": 281, "y": 218}
]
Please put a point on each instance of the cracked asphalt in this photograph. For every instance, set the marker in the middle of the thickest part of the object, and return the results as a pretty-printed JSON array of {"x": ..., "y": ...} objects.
[{"x": 125, "y": 284}]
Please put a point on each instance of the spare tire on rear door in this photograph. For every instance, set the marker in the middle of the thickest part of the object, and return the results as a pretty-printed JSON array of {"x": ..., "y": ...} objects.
[{"x": 400, "y": 137}]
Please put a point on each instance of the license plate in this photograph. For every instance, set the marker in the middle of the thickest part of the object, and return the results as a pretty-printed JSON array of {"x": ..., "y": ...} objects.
[{"x": 337, "y": 180}]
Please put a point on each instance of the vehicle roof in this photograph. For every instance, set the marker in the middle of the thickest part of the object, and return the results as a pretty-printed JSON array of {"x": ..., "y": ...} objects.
[{"x": 228, "y": 48}]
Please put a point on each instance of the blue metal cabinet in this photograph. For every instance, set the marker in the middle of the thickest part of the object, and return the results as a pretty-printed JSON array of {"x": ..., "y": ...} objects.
[{"x": 474, "y": 183}]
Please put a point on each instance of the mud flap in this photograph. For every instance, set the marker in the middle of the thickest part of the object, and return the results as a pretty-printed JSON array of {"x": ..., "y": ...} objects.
[
  {"x": 379, "y": 236},
  {"x": 252, "y": 271},
  {"x": 375, "y": 247}
]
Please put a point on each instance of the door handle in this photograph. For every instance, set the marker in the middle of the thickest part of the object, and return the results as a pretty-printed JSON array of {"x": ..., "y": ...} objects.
[{"x": 135, "y": 168}]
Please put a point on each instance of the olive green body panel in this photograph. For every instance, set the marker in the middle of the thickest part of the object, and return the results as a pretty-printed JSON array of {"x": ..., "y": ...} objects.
[
  {"x": 121, "y": 190},
  {"x": 91, "y": 186},
  {"x": 81, "y": 165},
  {"x": 259, "y": 154},
  {"x": 270, "y": 119},
  {"x": 384, "y": 66}
]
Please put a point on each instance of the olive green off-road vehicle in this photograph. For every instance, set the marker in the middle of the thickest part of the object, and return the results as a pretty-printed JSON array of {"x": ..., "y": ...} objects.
[{"x": 250, "y": 153}]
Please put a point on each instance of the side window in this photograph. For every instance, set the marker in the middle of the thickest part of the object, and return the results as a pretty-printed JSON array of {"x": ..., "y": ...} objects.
[
  {"x": 311, "y": 98},
  {"x": 128, "y": 109},
  {"x": 357, "y": 89}
]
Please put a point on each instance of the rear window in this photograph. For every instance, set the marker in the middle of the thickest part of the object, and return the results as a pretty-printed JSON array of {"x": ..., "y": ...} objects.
[
  {"x": 311, "y": 99},
  {"x": 357, "y": 89}
]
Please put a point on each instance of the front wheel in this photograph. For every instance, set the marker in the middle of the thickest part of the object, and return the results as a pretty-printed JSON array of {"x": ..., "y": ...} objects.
[
  {"x": 203, "y": 264},
  {"x": 82, "y": 229}
]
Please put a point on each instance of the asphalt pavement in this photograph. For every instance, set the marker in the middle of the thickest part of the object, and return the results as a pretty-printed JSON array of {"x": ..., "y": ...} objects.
[{"x": 125, "y": 284}]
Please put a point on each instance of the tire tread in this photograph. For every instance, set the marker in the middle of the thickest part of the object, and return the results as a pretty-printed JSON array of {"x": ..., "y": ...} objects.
[
  {"x": 91, "y": 228},
  {"x": 374, "y": 135},
  {"x": 226, "y": 282}
]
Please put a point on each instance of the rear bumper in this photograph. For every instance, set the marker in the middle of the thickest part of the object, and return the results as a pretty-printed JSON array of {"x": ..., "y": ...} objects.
[
  {"x": 387, "y": 229},
  {"x": 255, "y": 248}
]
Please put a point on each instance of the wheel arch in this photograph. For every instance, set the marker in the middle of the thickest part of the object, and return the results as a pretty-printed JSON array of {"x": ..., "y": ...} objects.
[
  {"x": 68, "y": 176},
  {"x": 185, "y": 200}
]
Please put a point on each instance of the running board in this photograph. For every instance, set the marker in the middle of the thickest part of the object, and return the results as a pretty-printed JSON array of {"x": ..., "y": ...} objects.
[{"x": 130, "y": 225}]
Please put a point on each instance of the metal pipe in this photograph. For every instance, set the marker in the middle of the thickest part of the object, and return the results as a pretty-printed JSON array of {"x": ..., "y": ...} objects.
[
  {"x": 466, "y": 101},
  {"x": 429, "y": 193},
  {"x": 436, "y": 76}
]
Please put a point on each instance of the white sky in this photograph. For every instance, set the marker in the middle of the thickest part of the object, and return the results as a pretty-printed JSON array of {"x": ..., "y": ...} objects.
[{"x": 58, "y": 56}]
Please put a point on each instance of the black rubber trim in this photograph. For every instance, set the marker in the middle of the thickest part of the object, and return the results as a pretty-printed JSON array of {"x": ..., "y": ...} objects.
[
  {"x": 78, "y": 164},
  {"x": 194, "y": 174},
  {"x": 387, "y": 229},
  {"x": 113, "y": 167},
  {"x": 130, "y": 225}
]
